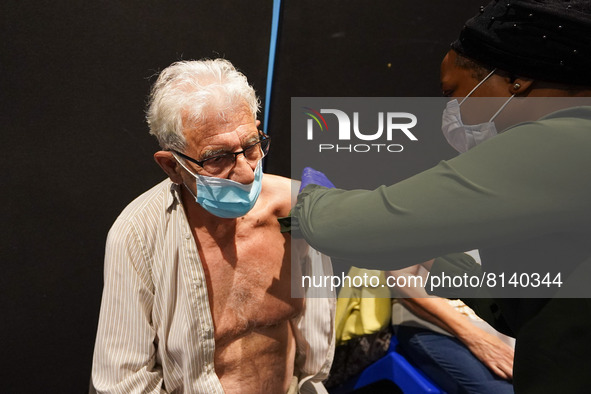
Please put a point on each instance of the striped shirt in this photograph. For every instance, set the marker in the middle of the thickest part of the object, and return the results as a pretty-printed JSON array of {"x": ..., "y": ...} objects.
[{"x": 156, "y": 331}]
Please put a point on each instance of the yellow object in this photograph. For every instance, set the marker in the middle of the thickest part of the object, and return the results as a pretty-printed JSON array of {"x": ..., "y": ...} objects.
[{"x": 364, "y": 305}]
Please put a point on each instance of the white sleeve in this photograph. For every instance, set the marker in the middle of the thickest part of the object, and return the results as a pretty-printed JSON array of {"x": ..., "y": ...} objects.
[
  {"x": 125, "y": 355},
  {"x": 316, "y": 327}
]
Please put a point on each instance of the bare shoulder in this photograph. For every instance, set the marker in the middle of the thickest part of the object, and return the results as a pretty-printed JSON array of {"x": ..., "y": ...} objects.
[{"x": 277, "y": 191}]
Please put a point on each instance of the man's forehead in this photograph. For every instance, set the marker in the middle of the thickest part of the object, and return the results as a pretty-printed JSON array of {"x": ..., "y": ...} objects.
[{"x": 217, "y": 130}]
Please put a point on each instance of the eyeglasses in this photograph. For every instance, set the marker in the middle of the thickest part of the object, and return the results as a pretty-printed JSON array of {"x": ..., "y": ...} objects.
[{"x": 223, "y": 163}]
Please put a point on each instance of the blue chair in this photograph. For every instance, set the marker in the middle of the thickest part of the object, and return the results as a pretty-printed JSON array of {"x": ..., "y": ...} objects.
[{"x": 395, "y": 368}]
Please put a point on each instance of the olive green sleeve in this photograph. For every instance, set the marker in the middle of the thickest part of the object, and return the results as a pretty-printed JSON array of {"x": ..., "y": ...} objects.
[{"x": 529, "y": 181}]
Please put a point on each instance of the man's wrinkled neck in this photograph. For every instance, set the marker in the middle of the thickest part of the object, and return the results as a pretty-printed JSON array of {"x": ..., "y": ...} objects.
[{"x": 200, "y": 219}]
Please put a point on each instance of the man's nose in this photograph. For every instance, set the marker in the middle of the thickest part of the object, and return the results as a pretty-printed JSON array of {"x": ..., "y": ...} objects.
[{"x": 243, "y": 171}]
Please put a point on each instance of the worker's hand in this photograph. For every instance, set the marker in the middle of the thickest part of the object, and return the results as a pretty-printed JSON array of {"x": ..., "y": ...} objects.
[
  {"x": 492, "y": 352},
  {"x": 312, "y": 177}
]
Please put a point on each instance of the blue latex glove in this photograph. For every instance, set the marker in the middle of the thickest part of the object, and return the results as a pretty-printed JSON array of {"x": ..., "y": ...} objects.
[{"x": 312, "y": 177}]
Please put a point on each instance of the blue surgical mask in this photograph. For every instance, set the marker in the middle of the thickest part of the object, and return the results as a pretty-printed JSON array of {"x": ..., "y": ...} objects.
[
  {"x": 464, "y": 137},
  {"x": 226, "y": 198}
]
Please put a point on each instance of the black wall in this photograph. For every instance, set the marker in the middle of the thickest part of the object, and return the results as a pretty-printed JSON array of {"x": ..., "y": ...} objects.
[
  {"x": 73, "y": 80},
  {"x": 357, "y": 48}
]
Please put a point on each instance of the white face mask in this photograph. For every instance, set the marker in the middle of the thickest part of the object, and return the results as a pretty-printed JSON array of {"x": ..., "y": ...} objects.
[{"x": 464, "y": 137}]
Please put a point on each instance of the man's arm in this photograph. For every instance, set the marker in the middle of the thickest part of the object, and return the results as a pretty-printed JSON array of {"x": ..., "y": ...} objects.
[
  {"x": 125, "y": 355},
  {"x": 314, "y": 329}
]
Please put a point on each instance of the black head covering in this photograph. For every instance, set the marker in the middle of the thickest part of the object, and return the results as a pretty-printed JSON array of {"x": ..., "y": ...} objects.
[{"x": 548, "y": 40}]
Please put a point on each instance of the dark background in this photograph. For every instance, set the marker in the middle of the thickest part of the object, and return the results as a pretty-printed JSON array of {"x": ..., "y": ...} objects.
[{"x": 73, "y": 80}]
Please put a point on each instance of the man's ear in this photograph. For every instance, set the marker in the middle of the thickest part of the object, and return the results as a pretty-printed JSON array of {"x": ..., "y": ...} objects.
[{"x": 168, "y": 163}]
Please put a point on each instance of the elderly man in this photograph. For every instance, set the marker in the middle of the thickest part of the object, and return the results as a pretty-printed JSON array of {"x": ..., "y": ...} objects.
[
  {"x": 197, "y": 294},
  {"x": 520, "y": 197}
]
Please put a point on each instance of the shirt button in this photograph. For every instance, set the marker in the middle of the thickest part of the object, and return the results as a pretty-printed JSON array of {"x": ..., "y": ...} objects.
[
  {"x": 197, "y": 283},
  {"x": 188, "y": 236}
]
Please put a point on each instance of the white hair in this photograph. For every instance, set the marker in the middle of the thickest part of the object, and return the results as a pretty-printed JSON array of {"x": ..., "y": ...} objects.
[{"x": 193, "y": 90}]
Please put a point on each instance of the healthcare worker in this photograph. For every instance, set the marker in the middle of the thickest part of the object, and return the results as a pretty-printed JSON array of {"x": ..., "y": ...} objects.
[{"x": 522, "y": 197}]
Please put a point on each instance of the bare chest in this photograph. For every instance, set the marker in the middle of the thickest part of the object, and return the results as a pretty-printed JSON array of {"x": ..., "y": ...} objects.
[{"x": 249, "y": 282}]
